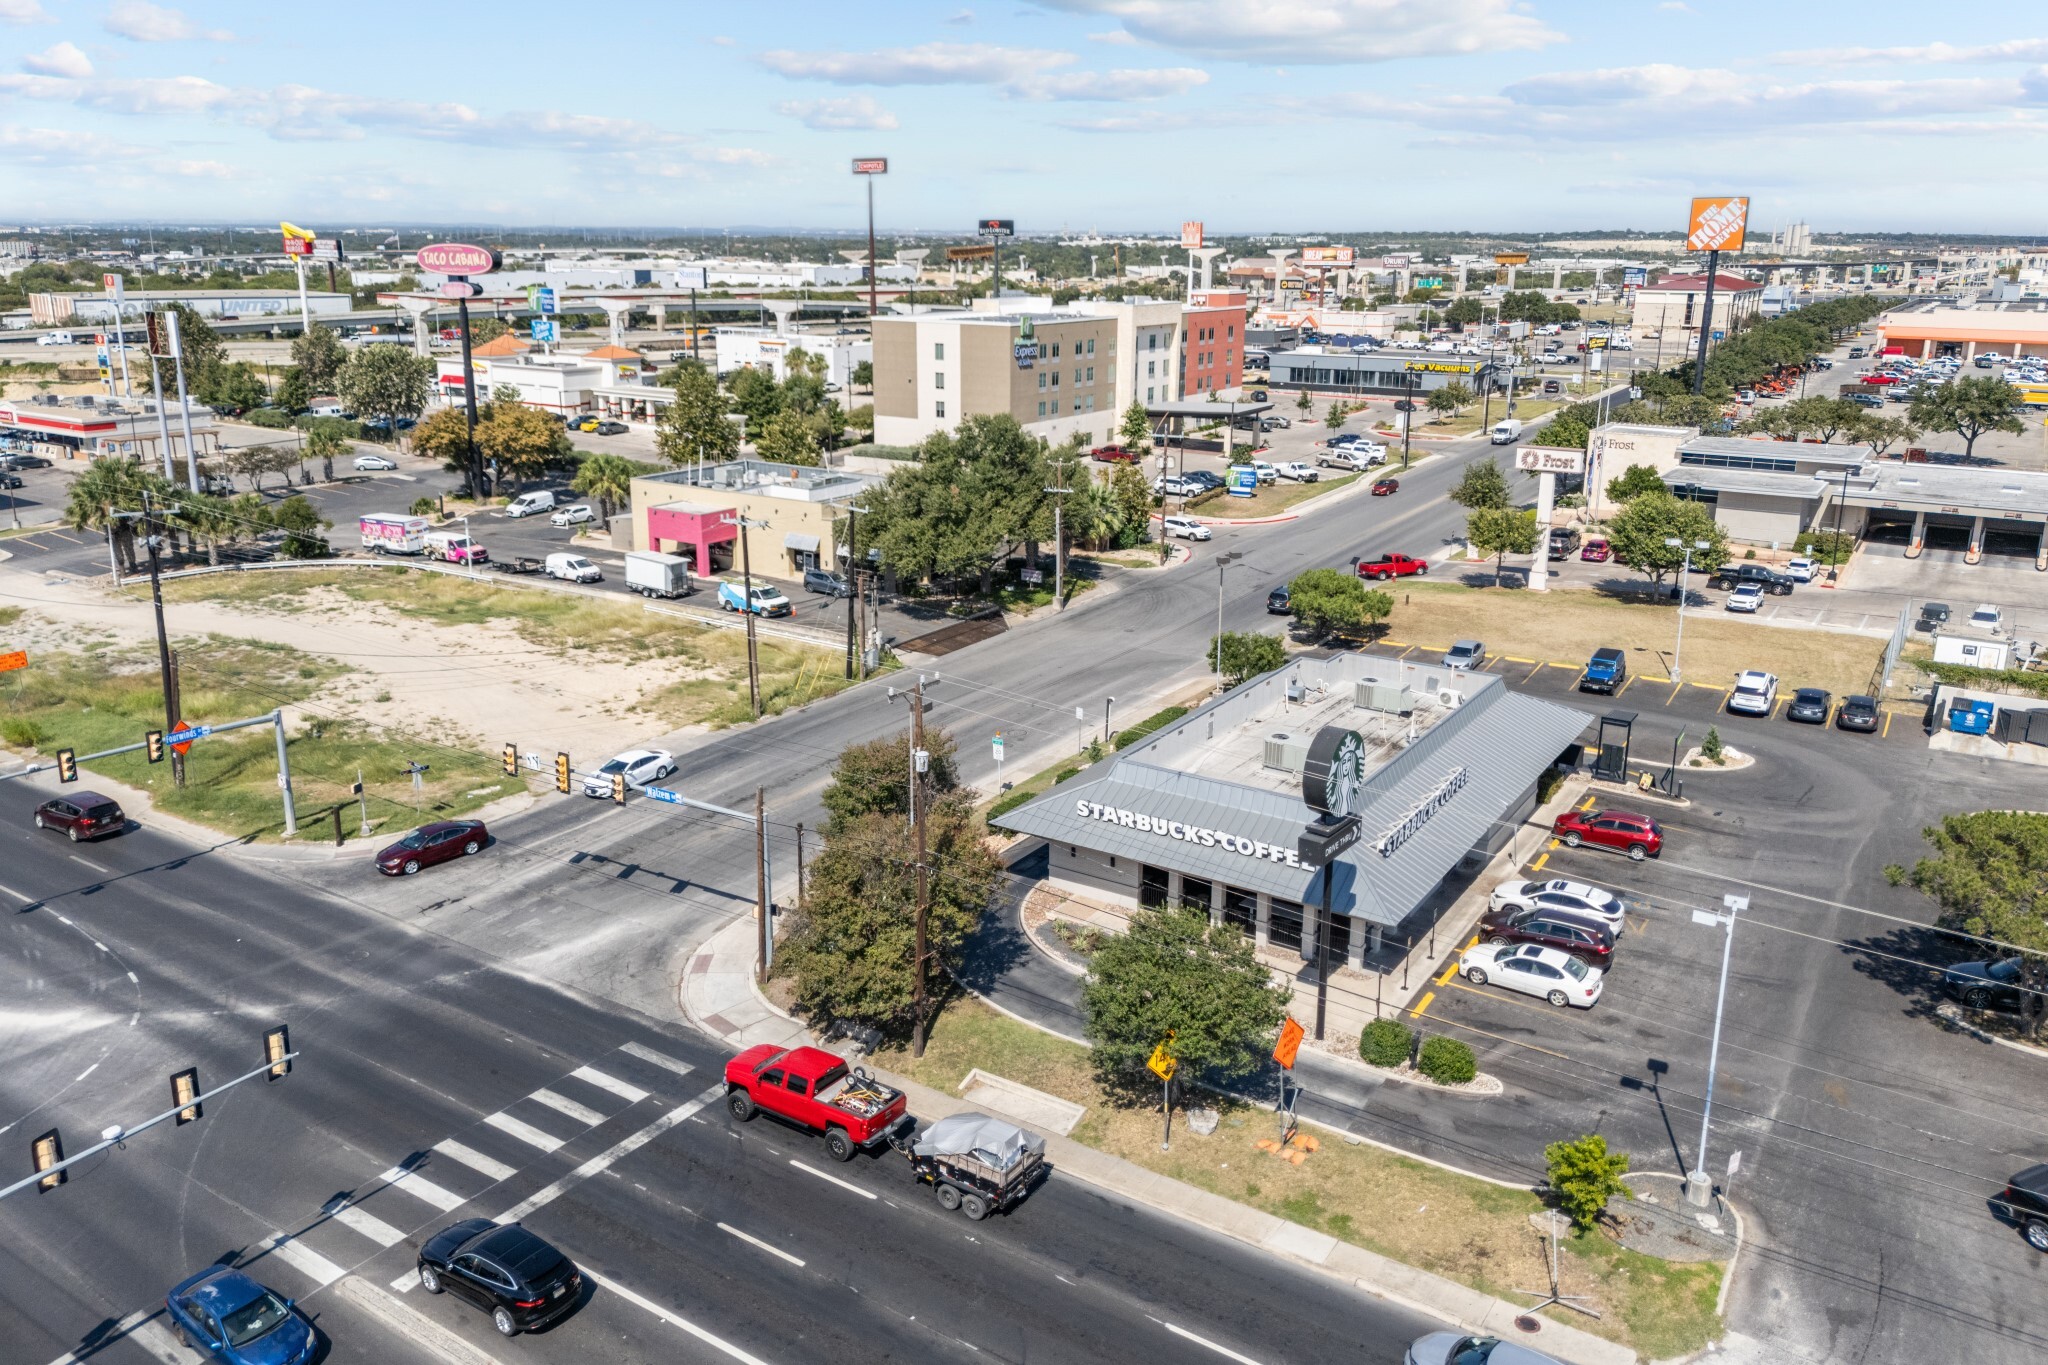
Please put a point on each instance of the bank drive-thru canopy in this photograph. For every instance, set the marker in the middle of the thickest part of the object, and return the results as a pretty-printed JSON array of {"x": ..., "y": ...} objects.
[{"x": 1449, "y": 761}]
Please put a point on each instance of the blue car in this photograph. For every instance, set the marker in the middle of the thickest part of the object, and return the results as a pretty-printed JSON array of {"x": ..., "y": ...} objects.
[{"x": 228, "y": 1317}]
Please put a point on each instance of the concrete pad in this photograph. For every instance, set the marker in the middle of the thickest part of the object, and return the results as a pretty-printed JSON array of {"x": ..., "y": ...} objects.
[
  {"x": 1035, "y": 1108},
  {"x": 1292, "y": 1239}
]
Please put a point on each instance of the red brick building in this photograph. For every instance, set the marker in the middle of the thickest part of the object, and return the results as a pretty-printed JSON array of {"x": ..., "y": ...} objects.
[{"x": 1212, "y": 341}]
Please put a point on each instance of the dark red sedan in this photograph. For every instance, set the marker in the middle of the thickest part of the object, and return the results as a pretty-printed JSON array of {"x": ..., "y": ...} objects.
[
  {"x": 1385, "y": 487},
  {"x": 1623, "y": 831},
  {"x": 81, "y": 815},
  {"x": 430, "y": 844}
]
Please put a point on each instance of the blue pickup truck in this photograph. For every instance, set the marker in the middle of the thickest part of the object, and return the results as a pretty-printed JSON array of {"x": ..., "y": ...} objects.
[{"x": 1606, "y": 671}]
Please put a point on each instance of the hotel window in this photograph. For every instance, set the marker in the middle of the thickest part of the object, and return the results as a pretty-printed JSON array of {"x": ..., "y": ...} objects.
[
  {"x": 939, "y": 380},
  {"x": 1090, "y": 403},
  {"x": 1041, "y": 407},
  {"x": 1091, "y": 345},
  {"x": 1041, "y": 381},
  {"x": 939, "y": 409},
  {"x": 1152, "y": 342},
  {"x": 1055, "y": 407},
  {"x": 1055, "y": 350},
  {"x": 1055, "y": 378},
  {"x": 1151, "y": 368},
  {"x": 1091, "y": 374},
  {"x": 1148, "y": 393},
  {"x": 938, "y": 350},
  {"x": 1230, "y": 331}
]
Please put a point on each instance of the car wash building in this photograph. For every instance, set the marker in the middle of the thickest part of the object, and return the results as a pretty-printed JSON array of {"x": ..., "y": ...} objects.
[{"x": 1438, "y": 768}]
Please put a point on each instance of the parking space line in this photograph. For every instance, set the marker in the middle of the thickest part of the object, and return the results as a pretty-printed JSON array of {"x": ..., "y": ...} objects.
[
  {"x": 1587, "y": 804},
  {"x": 1537, "y": 866},
  {"x": 1675, "y": 690},
  {"x": 1422, "y": 1005},
  {"x": 1406, "y": 650},
  {"x": 1722, "y": 704},
  {"x": 61, "y": 536},
  {"x": 1532, "y": 672},
  {"x": 1626, "y": 686},
  {"x": 1397, "y": 644},
  {"x": 1555, "y": 664},
  {"x": 1887, "y": 731},
  {"x": 1517, "y": 659},
  {"x": 1651, "y": 678},
  {"x": 1452, "y": 969}
]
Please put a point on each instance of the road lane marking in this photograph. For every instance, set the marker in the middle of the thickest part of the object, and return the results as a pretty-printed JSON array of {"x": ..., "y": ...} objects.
[
  {"x": 104, "y": 872},
  {"x": 407, "y": 1282},
  {"x": 633, "y": 1094},
  {"x": 1886, "y": 733},
  {"x": 305, "y": 1260},
  {"x": 419, "y": 1187},
  {"x": 661, "y": 1059},
  {"x": 525, "y": 1132},
  {"x": 673, "y": 1319},
  {"x": 410, "y": 1324},
  {"x": 842, "y": 1184},
  {"x": 372, "y": 1227},
  {"x": 475, "y": 1160},
  {"x": 562, "y": 1104},
  {"x": 603, "y": 1161},
  {"x": 135, "y": 1327},
  {"x": 87, "y": 1072},
  {"x": 1223, "y": 1351},
  {"x": 25, "y": 900},
  {"x": 1423, "y": 1005},
  {"x": 752, "y": 1240}
]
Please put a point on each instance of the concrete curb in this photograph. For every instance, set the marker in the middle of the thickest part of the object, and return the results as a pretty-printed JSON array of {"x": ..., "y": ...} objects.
[{"x": 1952, "y": 1014}]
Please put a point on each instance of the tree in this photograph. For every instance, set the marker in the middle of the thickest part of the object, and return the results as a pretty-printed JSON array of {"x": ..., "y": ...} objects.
[
  {"x": 324, "y": 444},
  {"x": 973, "y": 493},
  {"x": 756, "y": 394},
  {"x": 319, "y": 356},
  {"x": 696, "y": 426},
  {"x": 788, "y": 439},
  {"x": 236, "y": 386},
  {"x": 1136, "y": 428},
  {"x": 1324, "y": 600},
  {"x": 1500, "y": 532},
  {"x": 1882, "y": 433},
  {"x": 1304, "y": 403},
  {"x": 294, "y": 394},
  {"x": 109, "y": 485},
  {"x": 864, "y": 375},
  {"x": 389, "y": 382},
  {"x": 504, "y": 393},
  {"x": 1483, "y": 484},
  {"x": 1441, "y": 401},
  {"x": 519, "y": 439},
  {"x": 1584, "y": 1176},
  {"x": 1969, "y": 408},
  {"x": 302, "y": 525},
  {"x": 1989, "y": 876},
  {"x": 1334, "y": 418},
  {"x": 862, "y": 418},
  {"x": 1460, "y": 394},
  {"x": 1634, "y": 481},
  {"x": 1570, "y": 428},
  {"x": 1465, "y": 311},
  {"x": 482, "y": 330},
  {"x": 873, "y": 778},
  {"x": 1172, "y": 974},
  {"x": 608, "y": 479},
  {"x": 1637, "y": 534},
  {"x": 205, "y": 355},
  {"x": 444, "y": 436},
  {"x": 1130, "y": 506},
  {"x": 1244, "y": 654}
]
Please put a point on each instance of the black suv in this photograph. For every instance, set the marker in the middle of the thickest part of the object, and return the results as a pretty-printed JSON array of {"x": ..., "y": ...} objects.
[
  {"x": 1992, "y": 985},
  {"x": 1564, "y": 542},
  {"x": 1733, "y": 575},
  {"x": 2025, "y": 1203},
  {"x": 508, "y": 1272}
]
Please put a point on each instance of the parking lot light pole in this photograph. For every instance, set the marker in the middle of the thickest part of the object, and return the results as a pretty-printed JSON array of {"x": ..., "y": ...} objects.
[
  {"x": 1699, "y": 1185},
  {"x": 1222, "y": 560},
  {"x": 1684, "y": 569}
]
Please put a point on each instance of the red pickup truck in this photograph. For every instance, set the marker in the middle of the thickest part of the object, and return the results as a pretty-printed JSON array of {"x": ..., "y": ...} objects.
[
  {"x": 1112, "y": 454},
  {"x": 1391, "y": 566},
  {"x": 814, "y": 1090}
]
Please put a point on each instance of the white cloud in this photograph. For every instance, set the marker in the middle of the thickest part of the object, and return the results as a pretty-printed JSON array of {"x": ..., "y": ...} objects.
[
  {"x": 1020, "y": 72},
  {"x": 64, "y": 59},
  {"x": 205, "y": 170},
  {"x": 1325, "y": 32},
  {"x": 965, "y": 16},
  {"x": 1116, "y": 37},
  {"x": 2012, "y": 50},
  {"x": 147, "y": 23},
  {"x": 66, "y": 146},
  {"x": 720, "y": 41},
  {"x": 857, "y": 111},
  {"x": 23, "y": 12}
]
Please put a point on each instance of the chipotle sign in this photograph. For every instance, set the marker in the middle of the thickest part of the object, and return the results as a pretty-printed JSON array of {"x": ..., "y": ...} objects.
[{"x": 457, "y": 258}]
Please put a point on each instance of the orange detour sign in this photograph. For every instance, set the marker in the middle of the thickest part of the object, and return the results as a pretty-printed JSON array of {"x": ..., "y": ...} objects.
[
  {"x": 10, "y": 662},
  {"x": 1290, "y": 1044}
]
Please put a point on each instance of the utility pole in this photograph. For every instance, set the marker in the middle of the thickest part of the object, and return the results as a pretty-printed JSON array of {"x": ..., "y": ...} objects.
[
  {"x": 747, "y": 580},
  {"x": 1699, "y": 1185},
  {"x": 918, "y": 761},
  {"x": 1699, "y": 368},
  {"x": 761, "y": 906},
  {"x": 852, "y": 575},
  {"x": 1059, "y": 537},
  {"x": 152, "y": 542}
]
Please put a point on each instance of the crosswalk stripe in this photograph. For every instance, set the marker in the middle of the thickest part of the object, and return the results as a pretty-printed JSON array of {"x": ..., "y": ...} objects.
[
  {"x": 372, "y": 1227},
  {"x": 419, "y": 1187},
  {"x": 562, "y": 1104},
  {"x": 631, "y": 1093},
  {"x": 475, "y": 1160},
  {"x": 525, "y": 1132},
  {"x": 648, "y": 1054},
  {"x": 407, "y": 1282},
  {"x": 304, "y": 1259}
]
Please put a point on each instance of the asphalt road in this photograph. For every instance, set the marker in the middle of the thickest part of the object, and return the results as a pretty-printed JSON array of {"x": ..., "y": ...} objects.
[{"x": 434, "y": 1083}]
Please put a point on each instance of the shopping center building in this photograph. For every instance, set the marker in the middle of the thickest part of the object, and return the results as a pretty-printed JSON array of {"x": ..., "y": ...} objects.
[
  {"x": 1441, "y": 767},
  {"x": 794, "y": 513}
]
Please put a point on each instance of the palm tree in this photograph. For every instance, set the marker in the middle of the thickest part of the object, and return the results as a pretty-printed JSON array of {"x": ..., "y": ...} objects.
[
  {"x": 609, "y": 479},
  {"x": 207, "y": 519},
  {"x": 323, "y": 445},
  {"x": 111, "y": 484}
]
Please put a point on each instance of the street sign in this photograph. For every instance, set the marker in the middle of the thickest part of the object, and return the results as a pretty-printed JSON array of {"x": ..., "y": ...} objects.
[
  {"x": 1550, "y": 460},
  {"x": 547, "y": 302},
  {"x": 997, "y": 745},
  {"x": 1719, "y": 335},
  {"x": 298, "y": 246},
  {"x": 456, "y": 258},
  {"x": 997, "y": 227},
  {"x": 544, "y": 329},
  {"x": 1191, "y": 236},
  {"x": 1032, "y": 575},
  {"x": 1244, "y": 481},
  {"x": 871, "y": 165},
  {"x": 181, "y": 738},
  {"x": 1717, "y": 224},
  {"x": 10, "y": 662},
  {"x": 674, "y": 798},
  {"x": 326, "y": 249},
  {"x": 1734, "y": 1164},
  {"x": 1290, "y": 1043},
  {"x": 1160, "y": 1064}
]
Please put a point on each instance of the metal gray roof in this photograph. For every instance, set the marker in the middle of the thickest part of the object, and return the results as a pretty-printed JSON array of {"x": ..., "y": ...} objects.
[
  {"x": 1992, "y": 492},
  {"x": 1502, "y": 739},
  {"x": 1806, "y": 452},
  {"x": 1760, "y": 482}
]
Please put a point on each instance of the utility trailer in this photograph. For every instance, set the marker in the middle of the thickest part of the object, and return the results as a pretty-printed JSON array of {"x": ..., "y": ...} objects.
[{"x": 977, "y": 1164}]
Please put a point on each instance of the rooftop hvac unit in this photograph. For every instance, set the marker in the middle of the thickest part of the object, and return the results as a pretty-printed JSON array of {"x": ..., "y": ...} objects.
[
  {"x": 1286, "y": 751},
  {"x": 1294, "y": 689},
  {"x": 1450, "y": 698},
  {"x": 1384, "y": 697}
]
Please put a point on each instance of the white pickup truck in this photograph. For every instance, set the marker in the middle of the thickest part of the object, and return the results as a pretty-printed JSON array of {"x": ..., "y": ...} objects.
[
  {"x": 1353, "y": 455},
  {"x": 1301, "y": 471}
]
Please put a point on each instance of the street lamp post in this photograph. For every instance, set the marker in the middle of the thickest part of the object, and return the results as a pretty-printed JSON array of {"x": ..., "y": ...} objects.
[
  {"x": 1699, "y": 1185},
  {"x": 1684, "y": 569},
  {"x": 1222, "y": 560}
]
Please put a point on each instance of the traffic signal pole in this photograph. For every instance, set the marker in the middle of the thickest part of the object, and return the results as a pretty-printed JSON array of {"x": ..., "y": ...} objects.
[{"x": 152, "y": 542}]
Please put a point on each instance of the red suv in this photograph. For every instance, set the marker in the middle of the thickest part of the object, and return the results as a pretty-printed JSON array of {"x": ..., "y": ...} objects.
[
  {"x": 82, "y": 815},
  {"x": 1623, "y": 831}
]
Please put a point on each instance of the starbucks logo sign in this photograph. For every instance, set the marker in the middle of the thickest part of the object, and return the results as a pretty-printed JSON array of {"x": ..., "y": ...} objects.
[{"x": 1334, "y": 772}]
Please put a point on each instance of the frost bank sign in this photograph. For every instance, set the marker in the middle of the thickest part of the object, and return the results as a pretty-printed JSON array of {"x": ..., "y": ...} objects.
[{"x": 1192, "y": 834}]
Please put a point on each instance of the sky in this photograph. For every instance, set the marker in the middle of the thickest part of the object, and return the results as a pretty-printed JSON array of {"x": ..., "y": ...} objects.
[{"x": 1064, "y": 115}]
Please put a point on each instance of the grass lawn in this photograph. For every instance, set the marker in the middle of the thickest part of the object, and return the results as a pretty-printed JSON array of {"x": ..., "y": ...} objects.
[
  {"x": 1271, "y": 500},
  {"x": 1468, "y": 421},
  {"x": 100, "y": 699},
  {"x": 1567, "y": 625},
  {"x": 1466, "y": 1230}
]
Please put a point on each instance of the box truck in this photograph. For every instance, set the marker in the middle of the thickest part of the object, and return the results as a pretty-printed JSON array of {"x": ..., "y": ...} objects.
[
  {"x": 657, "y": 575},
  {"x": 387, "y": 534},
  {"x": 455, "y": 547}
]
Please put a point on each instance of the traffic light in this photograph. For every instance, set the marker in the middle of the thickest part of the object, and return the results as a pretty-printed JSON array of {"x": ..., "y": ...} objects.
[
  {"x": 67, "y": 766},
  {"x": 511, "y": 760},
  {"x": 45, "y": 1152},
  {"x": 562, "y": 773},
  {"x": 185, "y": 1095},
  {"x": 619, "y": 788},
  {"x": 154, "y": 741},
  {"x": 277, "y": 1046}
]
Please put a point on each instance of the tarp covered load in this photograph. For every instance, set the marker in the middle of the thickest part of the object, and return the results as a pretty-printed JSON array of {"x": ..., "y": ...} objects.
[{"x": 991, "y": 1141}]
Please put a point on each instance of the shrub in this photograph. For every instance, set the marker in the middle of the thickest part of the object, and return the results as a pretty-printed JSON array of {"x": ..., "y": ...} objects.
[
  {"x": 1447, "y": 1061},
  {"x": 425, "y": 507},
  {"x": 275, "y": 418},
  {"x": 21, "y": 733},
  {"x": 1711, "y": 748},
  {"x": 1386, "y": 1042},
  {"x": 1584, "y": 1175}
]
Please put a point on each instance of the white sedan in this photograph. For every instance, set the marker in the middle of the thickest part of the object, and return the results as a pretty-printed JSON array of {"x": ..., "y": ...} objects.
[
  {"x": 639, "y": 767},
  {"x": 1546, "y": 973},
  {"x": 374, "y": 463},
  {"x": 1577, "y": 898},
  {"x": 578, "y": 515}
]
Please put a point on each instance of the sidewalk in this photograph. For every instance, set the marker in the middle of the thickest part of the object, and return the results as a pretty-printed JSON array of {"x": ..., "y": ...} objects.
[{"x": 718, "y": 996}]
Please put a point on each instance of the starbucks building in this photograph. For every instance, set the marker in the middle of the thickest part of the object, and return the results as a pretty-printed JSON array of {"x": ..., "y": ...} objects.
[{"x": 1395, "y": 775}]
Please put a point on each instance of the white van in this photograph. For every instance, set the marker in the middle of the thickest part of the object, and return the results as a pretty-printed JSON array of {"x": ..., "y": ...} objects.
[
  {"x": 573, "y": 568},
  {"x": 1506, "y": 432},
  {"x": 324, "y": 407},
  {"x": 526, "y": 504}
]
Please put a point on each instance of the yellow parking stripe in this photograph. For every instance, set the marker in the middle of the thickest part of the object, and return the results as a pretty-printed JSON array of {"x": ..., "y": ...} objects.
[
  {"x": 1422, "y": 1005},
  {"x": 1626, "y": 686},
  {"x": 1649, "y": 677},
  {"x": 1674, "y": 694},
  {"x": 1397, "y": 644},
  {"x": 1532, "y": 672},
  {"x": 1587, "y": 804},
  {"x": 1451, "y": 969},
  {"x": 1711, "y": 687},
  {"x": 1537, "y": 866},
  {"x": 1555, "y": 664},
  {"x": 1517, "y": 659},
  {"x": 1406, "y": 650},
  {"x": 1887, "y": 731}
]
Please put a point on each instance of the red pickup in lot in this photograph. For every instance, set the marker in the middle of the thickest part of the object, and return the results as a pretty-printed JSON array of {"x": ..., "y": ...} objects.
[
  {"x": 1112, "y": 454},
  {"x": 1391, "y": 566},
  {"x": 814, "y": 1090}
]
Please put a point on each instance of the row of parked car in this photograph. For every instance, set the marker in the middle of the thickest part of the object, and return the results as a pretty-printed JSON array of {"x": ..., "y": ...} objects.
[{"x": 1555, "y": 939}]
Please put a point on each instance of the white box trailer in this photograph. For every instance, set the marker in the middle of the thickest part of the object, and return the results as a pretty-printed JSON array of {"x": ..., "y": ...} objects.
[
  {"x": 386, "y": 534},
  {"x": 657, "y": 575}
]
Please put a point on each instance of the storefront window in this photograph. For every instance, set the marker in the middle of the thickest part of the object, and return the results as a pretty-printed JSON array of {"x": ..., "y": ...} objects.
[
  {"x": 1196, "y": 893},
  {"x": 1151, "y": 887},
  {"x": 1283, "y": 926},
  {"x": 1340, "y": 937},
  {"x": 1241, "y": 907}
]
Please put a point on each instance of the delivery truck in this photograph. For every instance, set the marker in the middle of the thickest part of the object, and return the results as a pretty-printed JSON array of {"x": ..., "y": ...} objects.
[
  {"x": 657, "y": 575},
  {"x": 388, "y": 534},
  {"x": 455, "y": 547},
  {"x": 1506, "y": 432}
]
